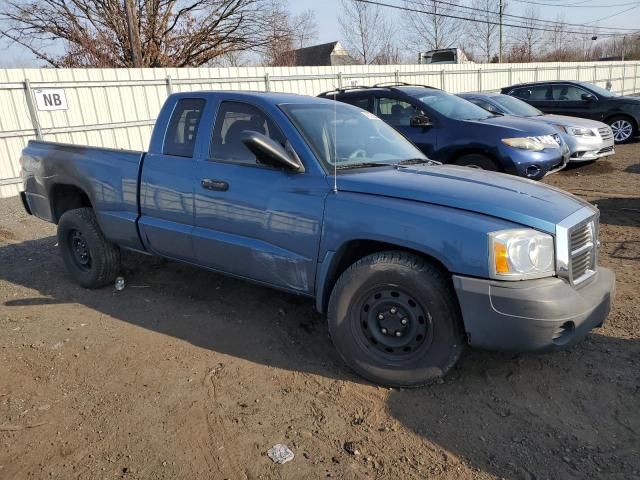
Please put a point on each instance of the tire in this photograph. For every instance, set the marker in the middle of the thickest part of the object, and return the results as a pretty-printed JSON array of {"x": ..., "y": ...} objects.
[
  {"x": 623, "y": 128},
  {"x": 422, "y": 294},
  {"x": 91, "y": 260},
  {"x": 477, "y": 160}
]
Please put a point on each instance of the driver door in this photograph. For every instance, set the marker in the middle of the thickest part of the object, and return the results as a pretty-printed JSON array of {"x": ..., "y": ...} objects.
[
  {"x": 253, "y": 219},
  {"x": 398, "y": 113}
]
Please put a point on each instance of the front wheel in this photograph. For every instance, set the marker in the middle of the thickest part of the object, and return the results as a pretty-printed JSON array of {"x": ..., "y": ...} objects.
[
  {"x": 90, "y": 258},
  {"x": 623, "y": 129},
  {"x": 394, "y": 319}
]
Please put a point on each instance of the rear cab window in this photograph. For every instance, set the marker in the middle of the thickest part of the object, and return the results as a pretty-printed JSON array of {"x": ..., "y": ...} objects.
[{"x": 180, "y": 138}]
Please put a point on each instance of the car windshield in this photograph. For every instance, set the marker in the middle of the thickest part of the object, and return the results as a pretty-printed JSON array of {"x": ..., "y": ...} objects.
[
  {"x": 516, "y": 107},
  {"x": 603, "y": 92},
  {"x": 452, "y": 106},
  {"x": 348, "y": 137}
]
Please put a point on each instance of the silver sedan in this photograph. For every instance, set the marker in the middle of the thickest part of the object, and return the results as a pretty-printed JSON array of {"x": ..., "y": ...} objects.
[{"x": 587, "y": 139}]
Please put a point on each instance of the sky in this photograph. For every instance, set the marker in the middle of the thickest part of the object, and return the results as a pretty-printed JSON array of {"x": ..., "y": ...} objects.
[{"x": 326, "y": 14}]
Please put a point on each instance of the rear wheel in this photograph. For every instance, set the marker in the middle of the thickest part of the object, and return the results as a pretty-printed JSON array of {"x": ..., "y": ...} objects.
[
  {"x": 477, "y": 160},
  {"x": 623, "y": 129},
  {"x": 90, "y": 258},
  {"x": 395, "y": 320}
]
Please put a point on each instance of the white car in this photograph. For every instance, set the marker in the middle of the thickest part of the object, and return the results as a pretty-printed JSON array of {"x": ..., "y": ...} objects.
[{"x": 587, "y": 139}]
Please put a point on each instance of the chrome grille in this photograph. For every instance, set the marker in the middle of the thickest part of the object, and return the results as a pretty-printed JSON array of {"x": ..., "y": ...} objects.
[
  {"x": 582, "y": 251},
  {"x": 606, "y": 134}
]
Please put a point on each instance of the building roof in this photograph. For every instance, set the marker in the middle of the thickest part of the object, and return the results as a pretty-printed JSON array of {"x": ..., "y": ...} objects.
[{"x": 326, "y": 54}]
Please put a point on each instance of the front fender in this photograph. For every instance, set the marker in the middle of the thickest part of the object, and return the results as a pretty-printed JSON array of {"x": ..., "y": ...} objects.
[{"x": 455, "y": 238}]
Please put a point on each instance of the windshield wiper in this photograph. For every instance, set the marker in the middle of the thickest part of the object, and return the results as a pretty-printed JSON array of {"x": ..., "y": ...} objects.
[
  {"x": 418, "y": 161},
  {"x": 364, "y": 165}
]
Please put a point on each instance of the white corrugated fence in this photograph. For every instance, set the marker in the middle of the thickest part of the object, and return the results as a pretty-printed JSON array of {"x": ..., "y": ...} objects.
[{"x": 117, "y": 107}]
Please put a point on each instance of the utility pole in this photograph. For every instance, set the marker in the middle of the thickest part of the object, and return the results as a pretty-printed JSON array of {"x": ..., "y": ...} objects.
[
  {"x": 134, "y": 33},
  {"x": 500, "y": 34}
]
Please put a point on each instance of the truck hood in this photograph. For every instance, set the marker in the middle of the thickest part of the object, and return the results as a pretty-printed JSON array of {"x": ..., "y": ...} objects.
[{"x": 498, "y": 195}]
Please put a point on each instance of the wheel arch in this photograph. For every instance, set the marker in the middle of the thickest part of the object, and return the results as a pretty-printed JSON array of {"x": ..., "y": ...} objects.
[
  {"x": 335, "y": 263},
  {"x": 458, "y": 154},
  {"x": 64, "y": 197},
  {"x": 611, "y": 116}
]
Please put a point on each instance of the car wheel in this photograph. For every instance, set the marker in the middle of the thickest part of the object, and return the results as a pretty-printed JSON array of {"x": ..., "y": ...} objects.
[
  {"x": 90, "y": 258},
  {"x": 477, "y": 160},
  {"x": 623, "y": 129},
  {"x": 395, "y": 320}
]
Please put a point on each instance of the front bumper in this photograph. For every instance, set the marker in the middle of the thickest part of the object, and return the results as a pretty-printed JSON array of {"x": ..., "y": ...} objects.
[
  {"x": 532, "y": 315},
  {"x": 536, "y": 165},
  {"x": 586, "y": 149}
]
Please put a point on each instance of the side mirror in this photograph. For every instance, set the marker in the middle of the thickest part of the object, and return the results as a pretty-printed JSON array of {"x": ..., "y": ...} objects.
[
  {"x": 420, "y": 121},
  {"x": 265, "y": 148},
  {"x": 587, "y": 97}
]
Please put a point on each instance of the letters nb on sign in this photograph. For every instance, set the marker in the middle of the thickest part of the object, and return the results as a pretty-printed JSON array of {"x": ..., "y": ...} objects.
[{"x": 51, "y": 99}]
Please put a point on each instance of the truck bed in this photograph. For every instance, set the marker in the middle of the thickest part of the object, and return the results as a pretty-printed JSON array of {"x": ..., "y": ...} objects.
[{"x": 108, "y": 176}]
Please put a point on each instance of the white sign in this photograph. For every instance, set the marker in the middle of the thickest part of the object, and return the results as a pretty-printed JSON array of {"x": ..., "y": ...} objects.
[{"x": 51, "y": 99}]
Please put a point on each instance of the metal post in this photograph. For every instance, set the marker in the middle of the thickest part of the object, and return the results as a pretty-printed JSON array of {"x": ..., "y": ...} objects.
[
  {"x": 611, "y": 73},
  {"x": 510, "y": 75},
  {"x": 558, "y": 73},
  {"x": 267, "y": 83},
  {"x": 479, "y": 79},
  {"x": 500, "y": 34},
  {"x": 635, "y": 78},
  {"x": 624, "y": 75},
  {"x": 33, "y": 113},
  {"x": 595, "y": 73},
  {"x": 578, "y": 73},
  {"x": 535, "y": 73},
  {"x": 442, "y": 79},
  {"x": 169, "y": 85},
  {"x": 339, "y": 79},
  {"x": 397, "y": 76}
]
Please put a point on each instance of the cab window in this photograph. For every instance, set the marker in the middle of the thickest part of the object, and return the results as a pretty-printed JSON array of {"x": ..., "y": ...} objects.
[{"x": 233, "y": 121}]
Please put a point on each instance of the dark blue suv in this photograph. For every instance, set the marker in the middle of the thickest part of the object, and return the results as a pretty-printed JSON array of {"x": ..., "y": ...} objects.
[{"x": 450, "y": 129}]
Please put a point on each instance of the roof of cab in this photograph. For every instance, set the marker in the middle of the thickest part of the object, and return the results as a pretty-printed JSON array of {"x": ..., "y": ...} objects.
[{"x": 272, "y": 98}]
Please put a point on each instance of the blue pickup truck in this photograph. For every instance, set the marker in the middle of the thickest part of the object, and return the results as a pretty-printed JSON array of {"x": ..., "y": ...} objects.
[{"x": 410, "y": 260}]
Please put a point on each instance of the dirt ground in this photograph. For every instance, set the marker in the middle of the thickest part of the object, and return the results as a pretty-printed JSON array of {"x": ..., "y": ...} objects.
[{"x": 186, "y": 374}]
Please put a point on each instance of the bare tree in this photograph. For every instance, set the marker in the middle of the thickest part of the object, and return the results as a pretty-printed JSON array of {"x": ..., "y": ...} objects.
[
  {"x": 367, "y": 31},
  {"x": 431, "y": 30},
  {"x": 105, "y": 33},
  {"x": 484, "y": 36},
  {"x": 559, "y": 41},
  {"x": 528, "y": 38},
  {"x": 285, "y": 33}
]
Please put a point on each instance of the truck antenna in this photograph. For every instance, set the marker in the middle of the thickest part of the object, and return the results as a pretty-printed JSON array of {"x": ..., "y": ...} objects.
[{"x": 335, "y": 143}]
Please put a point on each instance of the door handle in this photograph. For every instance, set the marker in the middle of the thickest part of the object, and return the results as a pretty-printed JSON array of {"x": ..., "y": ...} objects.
[{"x": 218, "y": 185}]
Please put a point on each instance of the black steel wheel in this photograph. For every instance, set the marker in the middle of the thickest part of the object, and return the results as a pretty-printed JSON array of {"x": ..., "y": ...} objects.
[
  {"x": 395, "y": 320},
  {"x": 90, "y": 258},
  {"x": 393, "y": 323},
  {"x": 80, "y": 250}
]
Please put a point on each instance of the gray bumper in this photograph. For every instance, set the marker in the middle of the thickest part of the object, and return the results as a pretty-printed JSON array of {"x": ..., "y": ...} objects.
[{"x": 532, "y": 315}]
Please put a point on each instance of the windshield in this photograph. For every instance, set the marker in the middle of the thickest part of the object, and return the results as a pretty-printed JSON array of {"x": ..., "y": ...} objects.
[
  {"x": 516, "y": 107},
  {"x": 603, "y": 92},
  {"x": 452, "y": 106},
  {"x": 346, "y": 136}
]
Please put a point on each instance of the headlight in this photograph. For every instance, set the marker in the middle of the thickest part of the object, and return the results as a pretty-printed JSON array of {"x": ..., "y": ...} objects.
[
  {"x": 580, "y": 131},
  {"x": 520, "y": 254},
  {"x": 535, "y": 144}
]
